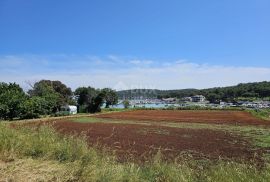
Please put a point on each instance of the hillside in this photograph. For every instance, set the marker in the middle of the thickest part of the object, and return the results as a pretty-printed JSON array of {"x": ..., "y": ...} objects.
[{"x": 242, "y": 90}]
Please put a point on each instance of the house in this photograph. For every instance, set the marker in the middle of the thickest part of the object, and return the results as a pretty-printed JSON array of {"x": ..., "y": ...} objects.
[
  {"x": 69, "y": 108},
  {"x": 187, "y": 99},
  {"x": 198, "y": 98}
]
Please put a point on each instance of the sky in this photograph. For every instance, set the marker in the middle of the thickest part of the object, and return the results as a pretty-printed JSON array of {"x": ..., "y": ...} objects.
[{"x": 125, "y": 44}]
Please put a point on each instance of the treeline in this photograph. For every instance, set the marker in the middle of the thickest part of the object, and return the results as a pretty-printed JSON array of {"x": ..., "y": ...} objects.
[
  {"x": 46, "y": 98},
  {"x": 229, "y": 94}
]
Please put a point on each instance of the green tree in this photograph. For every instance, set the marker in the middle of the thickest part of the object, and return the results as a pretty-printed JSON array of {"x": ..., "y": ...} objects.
[
  {"x": 89, "y": 99},
  {"x": 85, "y": 95},
  {"x": 54, "y": 92},
  {"x": 110, "y": 97},
  {"x": 11, "y": 98},
  {"x": 213, "y": 97},
  {"x": 34, "y": 107},
  {"x": 126, "y": 104}
]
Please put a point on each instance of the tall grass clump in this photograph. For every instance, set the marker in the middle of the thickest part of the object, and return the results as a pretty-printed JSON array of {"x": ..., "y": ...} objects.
[
  {"x": 42, "y": 142},
  {"x": 231, "y": 171},
  {"x": 260, "y": 113}
]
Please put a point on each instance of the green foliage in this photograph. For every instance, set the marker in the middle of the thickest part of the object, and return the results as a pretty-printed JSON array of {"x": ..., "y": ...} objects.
[
  {"x": 82, "y": 109},
  {"x": 256, "y": 90},
  {"x": 126, "y": 104},
  {"x": 45, "y": 91},
  {"x": 86, "y": 98},
  {"x": 110, "y": 97},
  {"x": 40, "y": 143},
  {"x": 60, "y": 113},
  {"x": 11, "y": 98},
  {"x": 46, "y": 97},
  {"x": 34, "y": 107},
  {"x": 55, "y": 93},
  {"x": 85, "y": 95},
  {"x": 90, "y": 99},
  {"x": 261, "y": 113},
  {"x": 112, "y": 109},
  {"x": 231, "y": 171}
]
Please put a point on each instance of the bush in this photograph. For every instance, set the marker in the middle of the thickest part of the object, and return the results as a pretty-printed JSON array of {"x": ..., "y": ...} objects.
[
  {"x": 34, "y": 107},
  {"x": 11, "y": 99},
  {"x": 60, "y": 113},
  {"x": 126, "y": 104}
]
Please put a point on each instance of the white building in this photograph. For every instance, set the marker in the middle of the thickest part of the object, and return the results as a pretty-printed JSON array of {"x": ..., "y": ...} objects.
[
  {"x": 187, "y": 99},
  {"x": 69, "y": 108},
  {"x": 198, "y": 98}
]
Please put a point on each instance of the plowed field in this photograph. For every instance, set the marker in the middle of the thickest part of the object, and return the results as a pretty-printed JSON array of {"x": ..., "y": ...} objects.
[
  {"x": 215, "y": 117},
  {"x": 140, "y": 141}
]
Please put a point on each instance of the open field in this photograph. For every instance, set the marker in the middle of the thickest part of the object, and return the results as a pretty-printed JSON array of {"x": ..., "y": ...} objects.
[
  {"x": 162, "y": 146},
  {"x": 134, "y": 141},
  {"x": 138, "y": 135},
  {"x": 214, "y": 117}
]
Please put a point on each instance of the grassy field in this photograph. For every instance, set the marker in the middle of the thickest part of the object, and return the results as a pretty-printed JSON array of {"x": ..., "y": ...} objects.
[{"x": 42, "y": 154}]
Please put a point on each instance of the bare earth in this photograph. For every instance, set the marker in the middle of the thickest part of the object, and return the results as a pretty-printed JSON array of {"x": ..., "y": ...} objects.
[
  {"x": 214, "y": 117},
  {"x": 140, "y": 142}
]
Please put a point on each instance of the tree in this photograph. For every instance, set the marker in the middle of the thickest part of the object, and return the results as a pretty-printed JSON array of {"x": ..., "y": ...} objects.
[
  {"x": 84, "y": 95},
  {"x": 213, "y": 97},
  {"x": 45, "y": 91},
  {"x": 110, "y": 97},
  {"x": 89, "y": 99},
  {"x": 55, "y": 92},
  {"x": 34, "y": 107},
  {"x": 11, "y": 98},
  {"x": 57, "y": 86},
  {"x": 126, "y": 104},
  {"x": 97, "y": 103}
]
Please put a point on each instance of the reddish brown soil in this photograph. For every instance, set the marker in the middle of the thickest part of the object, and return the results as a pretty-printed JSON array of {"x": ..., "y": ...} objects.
[
  {"x": 215, "y": 117},
  {"x": 140, "y": 142}
]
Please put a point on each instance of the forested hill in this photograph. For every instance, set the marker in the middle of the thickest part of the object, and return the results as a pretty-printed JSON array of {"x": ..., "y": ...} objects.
[{"x": 243, "y": 90}]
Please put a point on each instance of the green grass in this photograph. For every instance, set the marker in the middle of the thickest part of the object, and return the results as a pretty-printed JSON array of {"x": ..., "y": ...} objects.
[
  {"x": 260, "y": 113},
  {"x": 87, "y": 120}
]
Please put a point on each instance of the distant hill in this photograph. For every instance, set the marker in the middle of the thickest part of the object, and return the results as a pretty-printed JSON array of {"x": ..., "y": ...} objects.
[{"x": 242, "y": 90}]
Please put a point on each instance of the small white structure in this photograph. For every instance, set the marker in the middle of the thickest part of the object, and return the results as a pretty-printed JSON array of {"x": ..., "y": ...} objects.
[
  {"x": 69, "y": 108},
  {"x": 198, "y": 98},
  {"x": 187, "y": 99}
]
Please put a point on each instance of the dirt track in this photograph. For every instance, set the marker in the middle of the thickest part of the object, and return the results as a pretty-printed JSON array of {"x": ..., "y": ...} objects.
[
  {"x": 139, "y": 142},
  {"x": 215, "y": 117}
]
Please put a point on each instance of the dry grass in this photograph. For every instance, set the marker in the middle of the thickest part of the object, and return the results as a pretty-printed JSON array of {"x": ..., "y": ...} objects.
[{"x": 27, "y": 170}]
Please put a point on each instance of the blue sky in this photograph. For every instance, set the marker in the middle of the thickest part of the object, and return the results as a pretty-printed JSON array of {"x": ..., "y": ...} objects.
[{"x": 135, "y": 43}]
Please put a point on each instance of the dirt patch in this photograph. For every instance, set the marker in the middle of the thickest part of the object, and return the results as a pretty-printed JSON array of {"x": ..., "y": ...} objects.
[
  {"x": 140, "y": 142},
  {"x": 214, "y": 117}
]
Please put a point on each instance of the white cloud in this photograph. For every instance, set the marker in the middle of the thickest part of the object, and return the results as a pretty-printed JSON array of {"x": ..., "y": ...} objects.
[
  {"x": 135, "y": 61},
  {"x": 10, "y": 61},
  {"x": 126, "y": 73}
]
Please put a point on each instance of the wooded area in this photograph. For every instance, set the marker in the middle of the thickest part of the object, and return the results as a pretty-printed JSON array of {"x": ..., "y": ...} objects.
[
  {"x": 46, "y": 98},
  {"x": 229, "y": 94}
]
